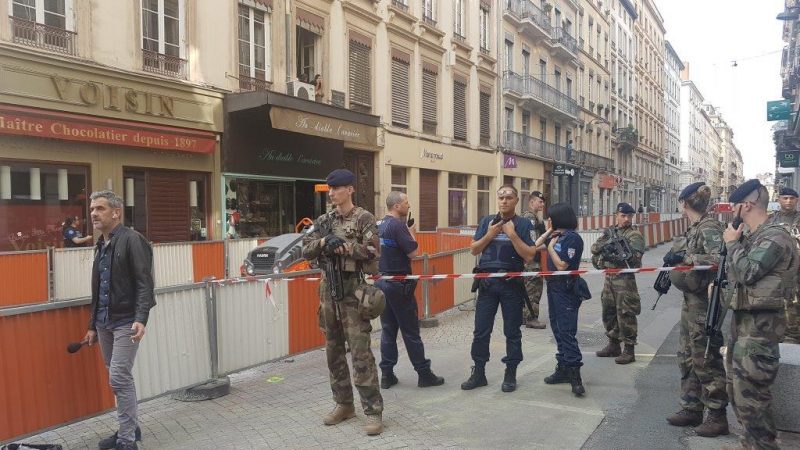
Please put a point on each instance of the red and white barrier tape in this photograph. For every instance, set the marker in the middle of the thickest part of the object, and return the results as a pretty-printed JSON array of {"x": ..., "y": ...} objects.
[{"x": 454, "y": 276}]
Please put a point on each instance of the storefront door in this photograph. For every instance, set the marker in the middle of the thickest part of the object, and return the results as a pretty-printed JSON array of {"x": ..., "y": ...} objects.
[
  {"x": 361, "y": 164},
  {"x": 428, "y": 200}
]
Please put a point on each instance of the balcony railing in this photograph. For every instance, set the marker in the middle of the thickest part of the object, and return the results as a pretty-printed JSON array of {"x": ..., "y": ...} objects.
[
  {"x": 530, "y": 146},
  {"x": 526, "y": 10},
  {"x": 43, "y": 36},
  {"x": 248, "y": 83},
  {"x": 163, "y": 64},
  {"x": 530, "y": 86},
  {"x": 427, "y": 18},
  {"x": 400, "y": 4},
  {"x": 561, "y": 36},
  {"x": 592, "y": 161}
]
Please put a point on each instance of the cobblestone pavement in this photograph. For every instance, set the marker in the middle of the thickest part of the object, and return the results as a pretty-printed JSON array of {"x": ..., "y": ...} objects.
[{"x": 281, "y": 404}]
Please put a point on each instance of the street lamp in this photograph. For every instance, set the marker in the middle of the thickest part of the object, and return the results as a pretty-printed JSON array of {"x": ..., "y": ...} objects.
[{"x": 790, "y": 13}]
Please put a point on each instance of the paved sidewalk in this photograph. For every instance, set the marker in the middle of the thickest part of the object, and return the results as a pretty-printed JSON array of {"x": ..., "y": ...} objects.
[{"x": 281, "y": 404}]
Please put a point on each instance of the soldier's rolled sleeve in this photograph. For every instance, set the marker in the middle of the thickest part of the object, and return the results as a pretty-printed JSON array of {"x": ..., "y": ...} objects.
[
  {"x": 749, "y": 267},
  {"x": 311, "y": 244},
  {"x": 711, "y": 243},
  {"x": 597, "y": 247},
  {"x": 371, "y": 247}
]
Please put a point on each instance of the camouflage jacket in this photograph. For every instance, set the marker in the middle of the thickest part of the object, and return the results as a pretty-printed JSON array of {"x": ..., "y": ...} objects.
[
  {"x": 635, "y": 242},
  {"x": 357, "y": 228},
  {"x": 535, "y": 263},
  {"x": 789, "y": 220},
  {"x": 763, "y": 268},
  {"x": 701, "y": 243}
]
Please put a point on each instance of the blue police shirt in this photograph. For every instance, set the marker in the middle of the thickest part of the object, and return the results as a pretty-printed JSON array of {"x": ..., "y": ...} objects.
[
  {"x": 569, "y": 248},
  {"x": 500, "y": 253},
  {"x": 105, "y": 255},
  {"x": 396, "y": 244},
  {"x": 69, "y": 234}
]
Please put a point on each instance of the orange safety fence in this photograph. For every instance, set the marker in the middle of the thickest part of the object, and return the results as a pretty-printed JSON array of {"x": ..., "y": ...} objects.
[
  {"x": 24, "y": 278},
  {"x": 440, "y": 292},
  {"x": 427, "y": 241},
  {"x": 41, "y": 385},
  {"x": 208, "y": 259},
  {"x": 450, "y": 241},
  {"x": 304, "y": 332}
]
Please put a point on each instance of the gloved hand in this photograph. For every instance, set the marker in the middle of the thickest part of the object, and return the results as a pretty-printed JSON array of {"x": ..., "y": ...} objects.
[
  {"x": 332, "y": 242},
  {"x": 674, "y": 258}
]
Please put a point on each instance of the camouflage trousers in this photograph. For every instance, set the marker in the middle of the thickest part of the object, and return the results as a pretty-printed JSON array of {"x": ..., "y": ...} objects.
[
  {"x": 702, "y": 380},
  {"x": 752, "y": 365},
  {"x": 621, "y": 304},
  {"x": 793, "y": 318},
  {"x": 534, "y": 287},
  {"x": 341, "y": 321}
]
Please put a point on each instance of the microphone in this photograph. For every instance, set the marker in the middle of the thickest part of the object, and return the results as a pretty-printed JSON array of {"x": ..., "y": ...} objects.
[{"x": 75, "y": 346}]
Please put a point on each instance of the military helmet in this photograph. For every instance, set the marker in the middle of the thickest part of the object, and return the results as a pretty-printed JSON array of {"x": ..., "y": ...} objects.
[{"x": 371, "y": 301}]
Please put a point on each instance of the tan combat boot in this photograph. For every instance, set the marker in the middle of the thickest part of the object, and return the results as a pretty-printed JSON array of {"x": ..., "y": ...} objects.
[
  {"x": 535, "y": 324},
  {"x": 610, "y": 350},
  {"x": 686, "y": 418},
  {"x": 627, "y": 355},
  {"x": 340, "y": 413},
  {"x": 374, "y": 425},
  {"x": 716, "y": 424}
]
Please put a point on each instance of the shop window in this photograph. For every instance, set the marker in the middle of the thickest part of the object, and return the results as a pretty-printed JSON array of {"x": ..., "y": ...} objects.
[
  {"x": 360, "y": 83},
  {"x": 399, "y": 179},
  {"x": 457, "y": 199},
  {"x": 254, "y": 48},
  {"x": 35, "y": 199},
  {"x": 163, "y": 32},
  {"x": 261, "y": 208},
  {"x": 400, "y": 110},
  {"x": 430, "y": 97},
  {"x": 483, "y": 196}
]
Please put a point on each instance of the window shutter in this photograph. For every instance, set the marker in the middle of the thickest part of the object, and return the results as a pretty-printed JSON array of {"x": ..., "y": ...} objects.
[
  {"x": 360, "y": 76},
  {"x": 400, "y": 115},
  {"x": 429, "y": 101},
  {"x": 459, "y": 111},
  {"x": 485, "y": 109}
]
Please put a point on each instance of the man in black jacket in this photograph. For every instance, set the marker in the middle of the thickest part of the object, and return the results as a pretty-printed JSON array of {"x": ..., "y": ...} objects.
[{"x": 122, "y": 295}]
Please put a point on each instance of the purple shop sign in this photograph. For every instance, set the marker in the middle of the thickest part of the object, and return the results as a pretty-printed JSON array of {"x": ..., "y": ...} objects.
[{"x": 509, "y": 162}]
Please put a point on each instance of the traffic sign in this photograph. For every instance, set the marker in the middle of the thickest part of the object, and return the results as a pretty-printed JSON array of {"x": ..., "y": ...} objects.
[
  {"x": 778, "y": 110},
  {"x": 789, "y": 158}
]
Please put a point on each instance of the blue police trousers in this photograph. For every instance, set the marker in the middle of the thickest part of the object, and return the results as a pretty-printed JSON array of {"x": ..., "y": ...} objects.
[
  {"x": 507, "y": 294},
  {"x": 563, "y": 307},
  {"x": 400, "y": 314}
]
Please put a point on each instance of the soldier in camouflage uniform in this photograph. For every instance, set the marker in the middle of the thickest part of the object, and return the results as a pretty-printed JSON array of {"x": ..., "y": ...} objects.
[
  {"x": 762, "y": 272},
  {"x": 620, "y": 297},
  {"x": 789, "y": 217},
  {"x": 353, "y": 238},
  {"x": 534, "y": 285},
  {"x": 702, "y": 380}
]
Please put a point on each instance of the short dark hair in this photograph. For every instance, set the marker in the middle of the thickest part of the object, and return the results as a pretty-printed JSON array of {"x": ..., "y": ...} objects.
[
  {"x": 536, "y": 194},
  {"x": 563, "y": 216}
]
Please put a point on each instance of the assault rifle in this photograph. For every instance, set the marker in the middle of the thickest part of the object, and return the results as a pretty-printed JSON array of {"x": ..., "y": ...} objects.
[
  {"x": 331, "y": 264},
  {"x": 661, "y": 285},
  {"x": 616, "y": 249},
  {"x": 714, "y": 315}
]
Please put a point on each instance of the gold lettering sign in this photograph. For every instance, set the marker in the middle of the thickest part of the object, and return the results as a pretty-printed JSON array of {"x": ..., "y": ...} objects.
[
  {"x": 327, "y": 127},
  {"x": 113, "y": 98}
]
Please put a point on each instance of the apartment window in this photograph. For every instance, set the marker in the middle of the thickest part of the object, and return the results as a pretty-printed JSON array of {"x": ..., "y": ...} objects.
[
  {"x": 485, "y": 102},
  {"x": 458, "y": 19},
  {"x": 525, "y": 192},
  {"x": 557, "y": 80},
  {"x": 509, "y": 56},
  {"x": 429, "y": 99},
  {"x": 483, "y": 20},
  {"x": 569, "y": 88},
  {"x": 429, "y": 11},
  {"x": 400, "y": 179},
  {"x": 543, "y": 70},
  {"x": 45, "y": 24},
  {"x": 543, "y": 129},
  {"x": 526, "y": 119},
  {"x": 400, "y": 70},
  {"x": 162, "y": 36},
  {"x": 509, "y": 118},
  {"x": 457, "y": 199},
  {"x": 483, "y": 196},
  {"x": 306, "y": 54},
  {"x": 360, "y": 76},
  {"x": 526, "y": 62},
  {"x": 254, "y": 53},
  {"x": 460, "y": 110},
  {"x": 52, "y": 13}
]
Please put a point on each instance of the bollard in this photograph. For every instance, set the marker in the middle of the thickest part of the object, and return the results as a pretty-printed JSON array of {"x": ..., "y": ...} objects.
[{"x": 427, "y": 321}]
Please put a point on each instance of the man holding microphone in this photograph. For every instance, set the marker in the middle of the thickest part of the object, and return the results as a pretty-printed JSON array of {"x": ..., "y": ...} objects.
[{"x": 398, "y": 246}]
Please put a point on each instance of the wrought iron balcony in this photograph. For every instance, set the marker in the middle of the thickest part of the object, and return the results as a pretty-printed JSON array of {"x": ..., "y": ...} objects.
[
  {"x": 566, "y": 41},
  {"x": 532, "y": 147},
  {"x": 400, "y": 4},
  {"x": 531, "y": 89},
  {"x": 592, "y": 161},
  {"x": 248, "y": 83},
  {"x": 43, "y": 36},
  {"x": 529, "y": 17},
  {"x": 163, "y": 64}
]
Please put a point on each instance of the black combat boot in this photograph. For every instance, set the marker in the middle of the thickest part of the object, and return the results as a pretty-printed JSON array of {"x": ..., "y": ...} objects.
[
  {"x": 388, "y": 379},
  {"x": 561, "y": 375},
  {"x": 477, "y": 379},
  {"x": 427, "y": 378},
  {"x": 510, "y": 379},
  {"x": 575, "y": 381}
]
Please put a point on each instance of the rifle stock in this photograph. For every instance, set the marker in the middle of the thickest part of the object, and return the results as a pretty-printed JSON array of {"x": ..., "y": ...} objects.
[
  {"x": 714, "y": 313},
  {"x": 331, "y": 265}
]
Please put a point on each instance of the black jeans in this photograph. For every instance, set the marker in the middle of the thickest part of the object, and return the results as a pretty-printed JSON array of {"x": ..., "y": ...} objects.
[
  {"x": 400, "y": 314},
  {"x": 563, "y": 306},
  {"x": 507, "y": 294}
]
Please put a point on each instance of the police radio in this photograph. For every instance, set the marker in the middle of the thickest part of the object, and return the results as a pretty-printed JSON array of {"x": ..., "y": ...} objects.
[
  {"x": 498, "y": 218},
  {"x": 410, "y": 221}
]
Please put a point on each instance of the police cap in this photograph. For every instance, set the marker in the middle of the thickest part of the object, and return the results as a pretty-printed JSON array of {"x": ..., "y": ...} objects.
[
  {"x": 625, "y": 208},
  {"x": 788, "y": 191},
  {"x": 340, "y": 177},
  {"x": 744, "y": 190},
  {"x": 690, "y": 189}
]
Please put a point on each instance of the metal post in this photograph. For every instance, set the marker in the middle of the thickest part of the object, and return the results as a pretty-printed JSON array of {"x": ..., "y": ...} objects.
[
  {"x": 50, "y": 273},
  {"x": 211, "y": 315}
]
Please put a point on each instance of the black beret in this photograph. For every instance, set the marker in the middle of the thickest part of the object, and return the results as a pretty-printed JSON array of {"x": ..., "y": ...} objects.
[
  {"x": 744, "y": 190},
  {"x": 690, "y": 189},
  {"x": 788, "y": 191},
  {"x": 340, "y": 177},
  {"x": 625, "y": 208}
]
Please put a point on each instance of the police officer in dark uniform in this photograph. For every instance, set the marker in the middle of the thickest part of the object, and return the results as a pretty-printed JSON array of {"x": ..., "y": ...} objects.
[
  {"x": 505, "y": 245},
  {"x": 398, "y": 245}
]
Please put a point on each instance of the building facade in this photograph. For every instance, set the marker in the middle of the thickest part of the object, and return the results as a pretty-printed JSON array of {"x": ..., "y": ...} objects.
[
  {"x": 672, "y": 136},
  {"x": 787, "y": 133},
  {"x": 695, "y": 150}
]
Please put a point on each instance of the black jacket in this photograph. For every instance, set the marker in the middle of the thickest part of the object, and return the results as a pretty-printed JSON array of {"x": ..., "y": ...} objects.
[{"x": 131, "y": 278}]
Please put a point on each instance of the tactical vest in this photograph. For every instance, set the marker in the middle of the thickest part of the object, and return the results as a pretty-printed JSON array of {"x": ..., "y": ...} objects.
[
  {"x": 694, "y": 281},
  {"x": 349, "y": 230},
  {"x": 771, "y": 291}
]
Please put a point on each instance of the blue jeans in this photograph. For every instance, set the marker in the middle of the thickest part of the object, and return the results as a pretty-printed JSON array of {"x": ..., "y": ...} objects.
[
  {"x": 507, "y": 294},
  {"x": 563, "y": 309},
  {"x": 400, "y": 314}
]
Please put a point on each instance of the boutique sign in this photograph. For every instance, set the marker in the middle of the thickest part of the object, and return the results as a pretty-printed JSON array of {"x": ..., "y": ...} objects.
[{"x": 325, "y": 127}]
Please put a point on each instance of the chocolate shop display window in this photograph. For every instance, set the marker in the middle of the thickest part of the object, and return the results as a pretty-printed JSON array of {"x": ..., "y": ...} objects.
[{"x": 265, "y": 208}]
